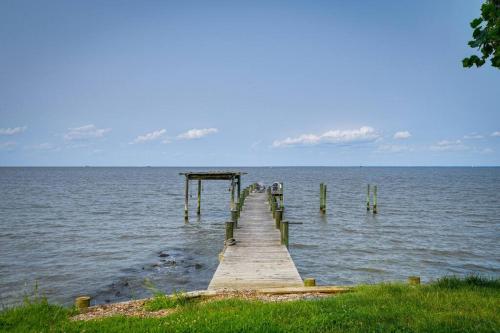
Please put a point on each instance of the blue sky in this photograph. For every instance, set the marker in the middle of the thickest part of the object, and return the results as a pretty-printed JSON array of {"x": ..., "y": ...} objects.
[{"x": 237, "y": 83}]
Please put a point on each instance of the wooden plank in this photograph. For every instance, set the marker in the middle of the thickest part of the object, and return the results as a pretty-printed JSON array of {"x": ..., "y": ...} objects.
[{"x": 258, "y": 260}]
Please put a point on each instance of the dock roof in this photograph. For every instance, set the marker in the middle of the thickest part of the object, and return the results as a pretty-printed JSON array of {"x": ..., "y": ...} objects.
[{"x": 212, "y": 175}]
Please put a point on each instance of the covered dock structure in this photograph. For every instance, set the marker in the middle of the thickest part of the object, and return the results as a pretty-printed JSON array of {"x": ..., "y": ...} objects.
[{"x": 234, "y": 177}]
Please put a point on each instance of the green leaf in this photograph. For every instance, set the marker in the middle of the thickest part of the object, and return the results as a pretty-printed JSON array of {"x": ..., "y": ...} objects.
[
  {"x": 477, "y": 32},
  {"x": 466, "y": 63},
  {"x": 476, "y": 22}
]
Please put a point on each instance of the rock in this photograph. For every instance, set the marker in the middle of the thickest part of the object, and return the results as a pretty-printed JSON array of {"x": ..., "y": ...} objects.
[
  {"x": 198, "y": 266},
  {"x": 164, "y": 255},
  {"x": 170, "y": 262}
]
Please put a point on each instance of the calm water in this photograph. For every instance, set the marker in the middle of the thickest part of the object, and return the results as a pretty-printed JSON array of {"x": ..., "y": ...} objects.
[{"x": 100, "y": 231}]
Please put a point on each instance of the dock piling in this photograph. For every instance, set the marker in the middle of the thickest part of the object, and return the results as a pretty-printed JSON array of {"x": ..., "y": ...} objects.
[
  {"x": 284, "y": 233},
  {"x": 229, "y": 230},
  {"x": 232, "y": 193},
  {"x": 186, "y": 199},
  {"x": 82, "y": 302},
  {"x": 414, "y": 280},
  {"x": 198, "y": 208},
  {"x": 278, "y": 217},
  {"x": 322, "y": 198},
  {"x": 368, "y": 198},
  {"x": 234, "y": 217},
  {"x": 309, "y": 282},
  {"x": 375, "y": 199}
]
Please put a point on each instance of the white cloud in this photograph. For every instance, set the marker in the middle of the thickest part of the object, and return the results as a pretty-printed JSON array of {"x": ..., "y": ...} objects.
[
  {"x": 152, "y": 136},
  {"x": 363, "y": 134},
  {"x": 487, "y": 151},
  {"x": 85, "y": 133},
  {"x": 449, "y": 145},
  {"x": 12, "y": 131},
  {"x": 496, "y": 133},
  {"x": 43, "y": 146},
  {"x": 393, "y": 148},
  {"x": 197, "y": 133},
  {"x": 473, "y": 136},
  {"x": 401, "y": 135},
  {"x": 8, "y": 145}
]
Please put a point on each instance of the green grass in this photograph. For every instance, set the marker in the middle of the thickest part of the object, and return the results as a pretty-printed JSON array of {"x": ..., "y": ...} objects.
[
  {"x": 449, "y": 305},
  {"x": 161, "y": 301}
]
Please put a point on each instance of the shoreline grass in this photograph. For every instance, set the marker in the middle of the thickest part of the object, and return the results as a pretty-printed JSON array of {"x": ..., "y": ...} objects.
[{"x": 470, "y": 304}]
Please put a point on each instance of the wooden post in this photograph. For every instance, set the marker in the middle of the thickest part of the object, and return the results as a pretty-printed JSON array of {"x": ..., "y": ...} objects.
[
  {"x": 198, "y": 208},
  {"x": 229, "y": 230},
  {"x": 414, "y": 280},
  {"x": 324, "y": 199},
  {"x": 375, "y": 199},
  {"x": 82, "y": 302},
  {"x": 309, "y": 282},
  {"x": 274, "y": 206},
  {"x": 238, "y": 193},
  {"x": 284, "y": 233},
  {"x": 186, "y": 199},
  {"x": 234, "y": 217},
  {"x": 278, "y": 218},
  {"x": 368, "y": 198},
  {"x": 321, "y": 192},
  {"x": 232, "y": 193},
  {"x": 282, "y": 205}
]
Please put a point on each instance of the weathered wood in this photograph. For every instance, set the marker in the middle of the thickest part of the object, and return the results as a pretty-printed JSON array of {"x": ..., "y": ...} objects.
[
  {"x": 309, "y": 282},
  {"x": 414, "y": 280},
  {"x": 234, "y": 217},
  {"x": 278, "y": 218},
  {"x": 238, "y": 192},
  {"x": 321, "y": 193},
  {"x": 82, "y": 302},
  {"x": 324, "y": 199},
  {"x": 375, "y": 211},
  {"x": 212, "y": 175},
  {"x": 229, "y": 229},
  {"x": 186, "y": 199},
  {"x": 257, "y": 260},
  {"x": 232, "y": 194},
  {"x": 198, "y": 208},
  {"x": 302, "y": 290},
  {"x": 284, "y": 233},
  {"x": 368, "y": 198}
]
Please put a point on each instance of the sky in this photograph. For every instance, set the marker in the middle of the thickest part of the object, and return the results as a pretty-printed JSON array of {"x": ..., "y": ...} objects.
[{"x": 244, "y": 83}]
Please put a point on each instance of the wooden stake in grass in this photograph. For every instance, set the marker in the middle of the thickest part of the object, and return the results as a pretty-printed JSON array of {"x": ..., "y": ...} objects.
[
  {"x": 414, "y": 280},
  {"x": 82, "y": 302},
  {"x": 309, "y": 282}
]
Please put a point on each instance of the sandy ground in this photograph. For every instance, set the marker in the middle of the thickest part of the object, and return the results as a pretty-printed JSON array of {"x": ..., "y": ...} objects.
[{"x": 136, "y": 308}]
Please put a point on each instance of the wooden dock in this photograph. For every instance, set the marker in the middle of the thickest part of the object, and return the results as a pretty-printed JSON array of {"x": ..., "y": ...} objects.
[{"x": 257, "y": 260}]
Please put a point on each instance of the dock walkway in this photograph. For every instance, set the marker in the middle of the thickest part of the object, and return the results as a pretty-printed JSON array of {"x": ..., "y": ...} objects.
[{"x": 258, "y": 260}]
